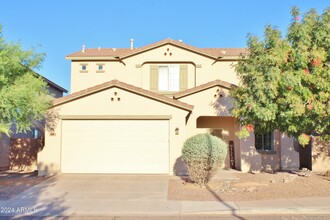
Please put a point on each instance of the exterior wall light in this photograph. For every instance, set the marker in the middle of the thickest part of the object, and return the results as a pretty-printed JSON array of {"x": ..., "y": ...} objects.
[{"x": 177, "y": 131}]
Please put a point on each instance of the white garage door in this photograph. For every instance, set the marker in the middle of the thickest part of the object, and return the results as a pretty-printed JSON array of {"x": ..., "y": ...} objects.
[{"x": 115, "y": 146}]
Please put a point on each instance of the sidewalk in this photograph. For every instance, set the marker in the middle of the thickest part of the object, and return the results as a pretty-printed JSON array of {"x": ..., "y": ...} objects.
[{"x": 87, "y": 207}]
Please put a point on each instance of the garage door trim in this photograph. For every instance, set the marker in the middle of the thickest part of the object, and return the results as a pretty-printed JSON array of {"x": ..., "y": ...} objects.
[{"x": 116, "y": 117}]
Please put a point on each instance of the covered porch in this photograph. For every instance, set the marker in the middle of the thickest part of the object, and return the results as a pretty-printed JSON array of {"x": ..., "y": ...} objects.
[{"x": 223, "y": 127}]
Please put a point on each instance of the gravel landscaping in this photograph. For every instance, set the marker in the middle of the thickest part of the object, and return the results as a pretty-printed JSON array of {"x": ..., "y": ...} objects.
[{"x": 249, "y": 187}]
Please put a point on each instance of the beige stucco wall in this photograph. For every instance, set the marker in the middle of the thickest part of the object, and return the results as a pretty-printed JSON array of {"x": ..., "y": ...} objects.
[
  {"x": 100, "y": 105},
  {"x": 320, "y": 155},
  {"x": 135, "y": 70},
  {"x": 289, "y": 154},
  {"x": 206, "y": 103}
]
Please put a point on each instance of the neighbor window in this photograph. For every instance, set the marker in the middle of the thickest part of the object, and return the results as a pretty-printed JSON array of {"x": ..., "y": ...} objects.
[
  {"x": 264, "y": 141},
  {"x": 169, "y": 78},
  {"x": 35, "y": 133}
]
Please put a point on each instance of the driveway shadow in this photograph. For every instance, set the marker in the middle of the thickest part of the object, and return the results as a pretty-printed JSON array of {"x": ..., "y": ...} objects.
[
  {"x": 27, "y": 197},
  {"x": 233, "y": 209}
]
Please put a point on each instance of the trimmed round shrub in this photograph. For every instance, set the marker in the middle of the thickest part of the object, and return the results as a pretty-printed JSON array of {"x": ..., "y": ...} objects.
[{"x": 203, "y": 155}]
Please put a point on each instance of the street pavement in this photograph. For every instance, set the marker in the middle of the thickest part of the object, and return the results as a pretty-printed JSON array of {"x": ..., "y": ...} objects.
[{"x": 138, "y": 195}]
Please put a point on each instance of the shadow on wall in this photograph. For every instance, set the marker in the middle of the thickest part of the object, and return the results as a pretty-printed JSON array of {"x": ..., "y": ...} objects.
[
  {"x": 289, "y": 153},
  {"x": 251, "y": 160},
  {"x": 223, "y": 102},
  {"x": 52, "y": 118},
  {"x": 23, "y": 153},
  {"x": 4, "y": 152},
  {"x": 320, "y": 155},
  {"x": 34, "y": 202},
  {"x": 270, "y": 161}
]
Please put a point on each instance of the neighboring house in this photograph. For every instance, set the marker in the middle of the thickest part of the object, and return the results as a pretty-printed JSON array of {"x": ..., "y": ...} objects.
[
  {"x": 36, "y": 132},
  {"x": 131, "y": 109}
]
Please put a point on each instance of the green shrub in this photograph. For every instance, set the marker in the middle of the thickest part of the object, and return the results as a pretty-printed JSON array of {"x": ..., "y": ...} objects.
[{"x": 203, "y": 155}]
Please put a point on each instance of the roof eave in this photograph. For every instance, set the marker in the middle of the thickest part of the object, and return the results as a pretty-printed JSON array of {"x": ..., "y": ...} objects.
[
  {"x": 115, "y": 83},
  {"x": 92, "y": 58},
  {"x": 204, "y": 87}
]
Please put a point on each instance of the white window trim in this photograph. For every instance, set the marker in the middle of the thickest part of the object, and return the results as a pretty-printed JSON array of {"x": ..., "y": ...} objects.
[
  {"x": 100, "y": 70},
  {"x": 81, "y": 67}
]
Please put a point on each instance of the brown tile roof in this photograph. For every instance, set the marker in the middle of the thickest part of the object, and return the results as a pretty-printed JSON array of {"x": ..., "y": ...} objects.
[
  {"x": 223, "y": 52},
  {"x": 127, "y": 52},
  {"x": 102, "y": 52},
  {"x": 203, "y": 87},
  {"x": 124, "y": 86}
]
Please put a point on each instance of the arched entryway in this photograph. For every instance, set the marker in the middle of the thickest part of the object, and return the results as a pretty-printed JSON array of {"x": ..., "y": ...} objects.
[{"x": 224, "y": 128}]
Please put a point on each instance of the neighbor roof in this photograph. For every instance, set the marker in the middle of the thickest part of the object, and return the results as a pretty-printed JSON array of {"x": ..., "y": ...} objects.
[
  {"x": 203, "y": 87},
  {"x": 51, "y": 83},
  {"x": 122, "y": 53},
  {"x": 124, "y": 86}
]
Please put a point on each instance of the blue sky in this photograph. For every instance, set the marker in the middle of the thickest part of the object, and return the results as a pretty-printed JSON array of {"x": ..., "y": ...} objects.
[{"x": 60, "y": 27}]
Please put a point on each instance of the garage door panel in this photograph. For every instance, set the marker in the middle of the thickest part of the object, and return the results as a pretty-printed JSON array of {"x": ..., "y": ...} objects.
[{"x": 115, "y": 146}]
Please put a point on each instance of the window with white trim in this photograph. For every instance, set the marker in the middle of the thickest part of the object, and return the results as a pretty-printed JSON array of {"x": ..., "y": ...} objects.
[
  {"x": 169, "y": 78},
  {"x": 83, "y": 68},
  {"x": 264, "y": 142},
  {"x": 100, "y": 68}
]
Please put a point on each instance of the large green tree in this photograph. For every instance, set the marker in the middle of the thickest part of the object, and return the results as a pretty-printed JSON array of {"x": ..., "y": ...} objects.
[
  {"x": 24, "y": 96},
  {"x": 285, "y": 81}
]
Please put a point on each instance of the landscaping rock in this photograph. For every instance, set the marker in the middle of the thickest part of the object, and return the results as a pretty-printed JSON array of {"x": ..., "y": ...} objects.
[
  {"x": 327, "y": 173},
  {"x": 251, "y": 189}
]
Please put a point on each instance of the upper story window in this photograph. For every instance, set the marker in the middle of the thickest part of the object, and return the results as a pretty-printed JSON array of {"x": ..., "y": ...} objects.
[
  {"x": 168, "y": 78},
  {"x": 100, "y": 68},
  {"x": 264, "y": 142},
  {"x": 83, "y": 68}
]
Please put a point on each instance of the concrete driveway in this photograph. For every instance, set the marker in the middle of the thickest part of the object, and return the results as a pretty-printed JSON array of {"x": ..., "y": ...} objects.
[
  {"x": 67, "y": 193},
  {"x": 108, "y": 187}
]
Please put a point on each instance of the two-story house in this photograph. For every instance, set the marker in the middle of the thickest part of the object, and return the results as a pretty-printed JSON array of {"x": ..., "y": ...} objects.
[{"x": 131, "y": 109}]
